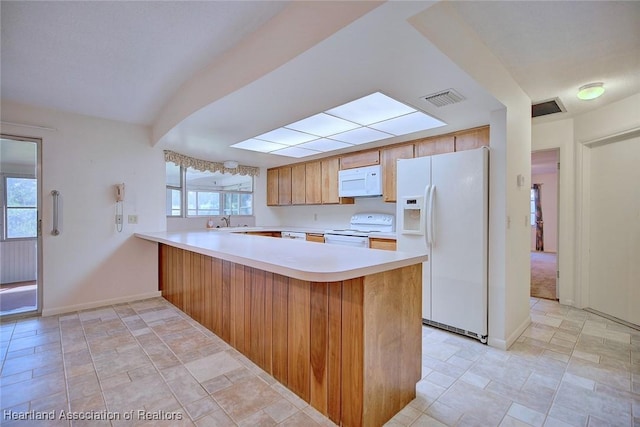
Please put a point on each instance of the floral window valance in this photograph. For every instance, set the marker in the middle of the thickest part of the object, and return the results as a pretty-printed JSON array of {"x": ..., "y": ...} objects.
[{"x": 206, "y": 165}]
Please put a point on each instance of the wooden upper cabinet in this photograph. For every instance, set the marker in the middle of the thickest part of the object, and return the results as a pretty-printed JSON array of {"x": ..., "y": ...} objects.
[
  {"x": 272, "y": 187},
  {"x": 435, "y": 145},
  {"x": 358, "y": 160},
  {"x": 284, "y": 185},
  {"x": 313, "y": 183},
  {"x": 329, "y": 172},
  {"x": 389, "y": 168},
  {"x": 474, "y": 138},
  {"x": 298, "y": 185}
]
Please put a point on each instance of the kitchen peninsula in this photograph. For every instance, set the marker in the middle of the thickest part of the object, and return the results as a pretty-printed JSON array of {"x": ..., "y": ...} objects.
[{"x": 339, "y": 326}]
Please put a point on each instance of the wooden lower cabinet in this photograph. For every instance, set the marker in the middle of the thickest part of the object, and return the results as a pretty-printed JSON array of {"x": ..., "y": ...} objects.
[
  {"x": 386, "y": 244},
  {"x": 351, "y": 349},
  {"x": 264, "y": 233},
  {"x": 315, "y": 237}
]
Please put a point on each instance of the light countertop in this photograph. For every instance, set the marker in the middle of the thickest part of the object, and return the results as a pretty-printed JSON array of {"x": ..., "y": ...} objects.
[
  {"x": 293, "y": 258},
  {"x": 391, "y": 236}
]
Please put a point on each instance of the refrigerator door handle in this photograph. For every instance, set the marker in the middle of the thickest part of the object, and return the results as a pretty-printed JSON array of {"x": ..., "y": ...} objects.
[
  {"x": 431, "y": 216},
  {"x": 427, "y": 238}
]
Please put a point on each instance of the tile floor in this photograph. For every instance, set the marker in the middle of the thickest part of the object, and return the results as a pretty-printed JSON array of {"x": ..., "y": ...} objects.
[{"x": 569, "y": 368}]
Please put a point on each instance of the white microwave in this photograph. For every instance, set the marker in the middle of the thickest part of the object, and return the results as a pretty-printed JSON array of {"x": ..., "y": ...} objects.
[{"x": 360, "y": 182}]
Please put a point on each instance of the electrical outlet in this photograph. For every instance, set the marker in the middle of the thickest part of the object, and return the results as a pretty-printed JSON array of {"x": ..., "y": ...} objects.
[
  {"x": 119, "y": 219},
  {"x": 132, "y": 219}
]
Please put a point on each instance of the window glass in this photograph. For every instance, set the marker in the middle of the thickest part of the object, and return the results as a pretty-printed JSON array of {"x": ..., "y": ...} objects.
[
  {"x": 533, "y": 207},
  {"x": 22, "y": 212},
  {"x": 211, "y": 193},
  {"x": 173, "y": 174},
  {"x": 174, "y": 201},
  {"x": 173, "y": 206},
  {"x": 207, "y": 193}
]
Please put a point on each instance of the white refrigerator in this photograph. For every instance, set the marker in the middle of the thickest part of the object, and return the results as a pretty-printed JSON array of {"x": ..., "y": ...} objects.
[{"x": 443, "y": 208}]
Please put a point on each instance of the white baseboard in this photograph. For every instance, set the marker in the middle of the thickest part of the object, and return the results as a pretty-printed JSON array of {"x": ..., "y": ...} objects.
[
  {"x": 504, "y": 345},
  {"x": 95, "y": 304}
]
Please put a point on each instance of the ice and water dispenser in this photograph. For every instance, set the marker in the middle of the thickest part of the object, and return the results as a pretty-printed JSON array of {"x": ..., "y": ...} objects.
[{"x": 413, "y": 215}]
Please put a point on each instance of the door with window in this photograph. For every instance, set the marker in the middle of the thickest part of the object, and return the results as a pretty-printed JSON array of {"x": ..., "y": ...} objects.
[{"x": 19, "y": 226}]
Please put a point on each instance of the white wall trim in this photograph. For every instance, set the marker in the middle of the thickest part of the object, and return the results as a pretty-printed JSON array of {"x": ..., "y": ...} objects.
[
  {"x": 504, "y": 345},
  {"x": 616, "y": 137},
  {"x": 583, "y": 192},
  {"x": 95, "y": 304}
]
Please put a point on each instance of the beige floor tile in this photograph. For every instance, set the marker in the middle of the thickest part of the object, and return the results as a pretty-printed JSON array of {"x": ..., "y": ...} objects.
[
  {"x": 600, "y": 373},
  {"x": 212, "y": 366},
  {"x": 202, "y": 407},
  {"x": 259, "y": 419},
  {"x": 137, "y": 394},
  {"x": 186, "y": 389},
  {"x": 297, "y": 420},
  {"x": 243, "y": 399},
  {"x": 38, "y": 387},
  {"x": 426, "y": 421},
  {"x": 280, "y": 410},
  {"x": 571, "y": 367},
  {"x": 581, "y": 400},
  {"x": 444, "y": 413},
  {"x": 526, "y": 415},
  {"x": 483, "y": 403}
]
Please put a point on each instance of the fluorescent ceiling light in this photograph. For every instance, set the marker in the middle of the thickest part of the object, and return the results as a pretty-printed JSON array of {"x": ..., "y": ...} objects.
[
  {"x": 286, "y": 136},
  {"x": 258, "y": 145},
  {"x": 324, "y": 145},
  {"x": 361, "y": 136},
  {"x": 371, "y": 109},
  {"x": 323, "y": 125},
  {"x": 371, "y": 118},
  {"x": 591, "y": 91},
  {"x": 409, "y": 123},
  {"x": 295, "y": 152}
]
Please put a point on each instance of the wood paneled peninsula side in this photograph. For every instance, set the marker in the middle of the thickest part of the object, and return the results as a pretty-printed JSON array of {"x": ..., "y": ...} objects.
[{"x": 339, "y": 326}]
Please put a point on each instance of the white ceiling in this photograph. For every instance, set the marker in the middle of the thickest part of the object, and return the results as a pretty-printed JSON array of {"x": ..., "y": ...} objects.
[{"x": 126, "y": 60}]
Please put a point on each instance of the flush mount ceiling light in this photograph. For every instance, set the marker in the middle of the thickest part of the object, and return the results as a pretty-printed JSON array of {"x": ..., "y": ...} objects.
[
  {"x": 590, "y": 91},
  {"x": 371, "y": 118}
]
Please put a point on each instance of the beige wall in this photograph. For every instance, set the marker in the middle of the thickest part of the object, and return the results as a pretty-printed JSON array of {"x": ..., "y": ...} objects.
[{"x": 90, "y": 264}]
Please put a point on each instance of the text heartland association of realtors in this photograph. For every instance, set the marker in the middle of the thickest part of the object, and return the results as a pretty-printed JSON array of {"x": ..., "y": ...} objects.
[{"x": 140, "y": 415}]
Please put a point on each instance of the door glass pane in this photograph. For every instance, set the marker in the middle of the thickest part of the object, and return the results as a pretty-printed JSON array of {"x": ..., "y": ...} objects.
[
  {"x": 21, "y": 192},
  {"x": 22, "y": 196},
  {"x": 21, "y": 223}
]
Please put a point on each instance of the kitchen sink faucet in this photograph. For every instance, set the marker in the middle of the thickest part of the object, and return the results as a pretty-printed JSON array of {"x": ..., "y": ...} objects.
[{"x": 227, "y": 220}]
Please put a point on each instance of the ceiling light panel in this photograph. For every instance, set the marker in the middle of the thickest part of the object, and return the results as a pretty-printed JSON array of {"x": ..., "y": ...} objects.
[
  {"x": 295, "y": 152},
  {"x": 322, "y": 125},
  {"x": 361, "y": 136},
  {"x": 286, "y": 136},
  {"x": 408, "y": 123},
  {"x": 324, "y": 145},
  {"x": 371, "y": 109},
  {"x": 372, "y": 118},
  {"x": 258, "y": 145}
]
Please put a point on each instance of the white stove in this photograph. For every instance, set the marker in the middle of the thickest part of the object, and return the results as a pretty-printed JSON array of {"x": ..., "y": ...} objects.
[{"x": 360, "y": 227}]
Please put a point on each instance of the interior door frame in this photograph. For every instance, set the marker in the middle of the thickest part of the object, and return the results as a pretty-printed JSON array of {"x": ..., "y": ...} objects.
[
  {"x": 39, "y": 251},
  {"x": 583, "y": 199},
  {"x": 558, "y": 152}
]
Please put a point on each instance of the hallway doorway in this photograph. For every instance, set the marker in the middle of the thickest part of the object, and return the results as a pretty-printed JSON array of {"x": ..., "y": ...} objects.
[
  {"x": 20, "y": 245},
  {"x": 545, "y": 196}
]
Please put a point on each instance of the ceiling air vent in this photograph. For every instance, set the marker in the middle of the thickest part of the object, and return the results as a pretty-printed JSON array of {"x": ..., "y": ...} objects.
[
  {"x": 445, "y": 97},
  {"x": 544, "y": 108}
]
